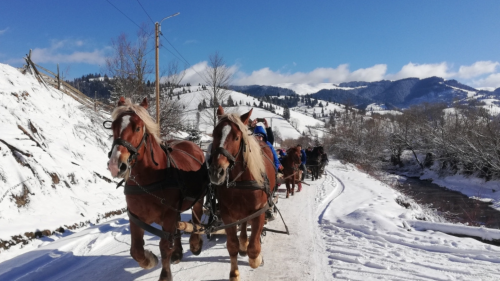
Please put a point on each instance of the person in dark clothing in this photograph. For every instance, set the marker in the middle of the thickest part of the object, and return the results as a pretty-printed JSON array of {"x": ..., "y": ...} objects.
[{"x": 303, "y": 162}]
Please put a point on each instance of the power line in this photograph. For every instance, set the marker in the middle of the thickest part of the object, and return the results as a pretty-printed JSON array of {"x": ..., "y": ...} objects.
[
  {"x": 145, "y": 11},
  {"x": 124, "y": 14},
  {"x": 183, "y": 59}
]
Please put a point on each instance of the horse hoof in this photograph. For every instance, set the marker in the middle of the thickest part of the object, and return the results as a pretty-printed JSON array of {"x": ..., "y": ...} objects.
[
  {"x": 176, "y": 257},
  {"x": 254, "y": 263},
  {"x": 151, "y": 260},
  {"x": 196, "y": 250},
  {"x": 242, "y": 253}
]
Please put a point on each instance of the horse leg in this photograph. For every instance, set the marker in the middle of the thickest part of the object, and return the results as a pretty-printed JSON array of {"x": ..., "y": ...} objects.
[
  {"x": 177, "y": 254},
  {"x": 168, "y": 247},
  {"x": 195, "y": 240},
  {"x": 287, "y": 188},
  {"x": 254, "y": 247},
  {"x": 232, "y": 246},
  {"x": 145, "y": 258},
  {"x": 243, "y": 240}
]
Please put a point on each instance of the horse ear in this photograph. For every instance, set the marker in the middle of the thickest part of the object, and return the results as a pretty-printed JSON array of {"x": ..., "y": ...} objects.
[
  {"x": 144, "y": 103},
  {"x": 121, "y": 101},
  {"x": 245, "y": 117},
  {"x": 220, "y": 111}
]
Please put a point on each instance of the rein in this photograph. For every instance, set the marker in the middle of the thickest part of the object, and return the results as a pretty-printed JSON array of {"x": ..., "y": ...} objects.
[
  {"x": 249, "y": 184},
  {"x": 148, "y": 189}
]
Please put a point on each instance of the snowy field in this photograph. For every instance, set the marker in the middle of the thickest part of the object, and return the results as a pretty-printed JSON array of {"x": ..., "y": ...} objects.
[{"x": 346, "y": 225}]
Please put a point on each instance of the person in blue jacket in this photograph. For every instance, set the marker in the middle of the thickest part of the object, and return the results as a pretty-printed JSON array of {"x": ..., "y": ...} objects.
[
  {"x": 260, "y": 133},
  {"x": 302, "y": 162},
  {"x": 281, "y": 154}
]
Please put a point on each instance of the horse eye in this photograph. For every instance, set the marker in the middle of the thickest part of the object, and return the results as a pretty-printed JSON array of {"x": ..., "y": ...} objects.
[
  {"x": 237, "y": 138},
  {"x": 138, "y": 129}
]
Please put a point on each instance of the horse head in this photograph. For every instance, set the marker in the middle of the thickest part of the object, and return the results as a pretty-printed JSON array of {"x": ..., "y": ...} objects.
[
  {"x": 130, "y": 127},
  {"x": 294, "y": 154},
  {"x": 227, "y": 146},
  {"x": 320, "y": 150}
]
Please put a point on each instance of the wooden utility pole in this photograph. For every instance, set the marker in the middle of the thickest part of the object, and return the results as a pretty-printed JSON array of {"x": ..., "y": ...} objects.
[
  {"x": 157, "y": 73},
  {"x": 157, "y": 33}
]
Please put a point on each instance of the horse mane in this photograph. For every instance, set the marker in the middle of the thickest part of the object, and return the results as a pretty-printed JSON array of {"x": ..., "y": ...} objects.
[
  {"x": 151, "y": 126},
  {"x": 253, "y": 154}
]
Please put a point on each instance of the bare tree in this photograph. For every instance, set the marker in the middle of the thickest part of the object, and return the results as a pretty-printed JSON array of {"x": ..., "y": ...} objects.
[
  {"x": 129, "y": 66},
  {"x": 217, "y": 77},
  {"x": 174, "y": 76}
]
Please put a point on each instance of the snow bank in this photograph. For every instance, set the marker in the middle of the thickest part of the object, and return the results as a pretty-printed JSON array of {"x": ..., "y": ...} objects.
[
  {"x": 53, "y": 154},
  {"x": 481, "y": 232}
]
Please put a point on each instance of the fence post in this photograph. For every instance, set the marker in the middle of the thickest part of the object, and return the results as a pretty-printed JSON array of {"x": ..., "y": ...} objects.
[{"x": 58, "y": 78}]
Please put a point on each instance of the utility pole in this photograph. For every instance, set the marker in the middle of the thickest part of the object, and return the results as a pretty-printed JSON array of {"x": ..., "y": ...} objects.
[
  {"x": 157, "y": 25},
  {"x": 157, "y": 33}
]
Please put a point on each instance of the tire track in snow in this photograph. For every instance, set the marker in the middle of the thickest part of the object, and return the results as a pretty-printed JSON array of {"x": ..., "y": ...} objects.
[
  {"x": 361, "y": 254},
  {"x": 339, "y": 187}
]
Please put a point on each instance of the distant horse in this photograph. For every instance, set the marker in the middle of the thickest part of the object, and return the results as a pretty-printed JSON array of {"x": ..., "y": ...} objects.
[
  {"x": 324, "y": 161},
  {"x": 314, "y": 161},
  {"x": 243, "y": 174},
  {"x": 159, "y": 183},
  {"x": 291, "y": 171}
]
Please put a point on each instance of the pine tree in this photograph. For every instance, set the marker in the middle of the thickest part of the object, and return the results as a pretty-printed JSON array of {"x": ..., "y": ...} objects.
[
  {"x": 230, "y": 101},
  {"x": 286, "y": 113}
]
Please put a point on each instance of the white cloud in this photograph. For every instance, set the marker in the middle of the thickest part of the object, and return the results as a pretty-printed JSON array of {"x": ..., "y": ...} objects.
[
  {"x": 63, "y": 51},
  {"x": 477, "y": 69},
  {"x": 422, "y": 71},
  {"x": 490, "y": 82},
  {"x": 265, "y": 76},
  {"x": 2, "y": 31},
  {"x": 192, "y": 41}
]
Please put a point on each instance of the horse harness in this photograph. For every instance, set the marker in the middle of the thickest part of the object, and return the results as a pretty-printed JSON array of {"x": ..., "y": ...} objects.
[
  {"x": 248, "y": 185},
  {"x": 167, "y": 183}
]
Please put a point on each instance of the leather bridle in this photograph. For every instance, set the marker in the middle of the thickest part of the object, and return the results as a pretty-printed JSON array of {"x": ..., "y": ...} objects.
[{"x": 134, "y": 151}]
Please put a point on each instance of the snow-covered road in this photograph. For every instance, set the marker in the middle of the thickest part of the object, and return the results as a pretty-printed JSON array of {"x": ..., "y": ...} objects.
[{"x": 347, "y": 225}]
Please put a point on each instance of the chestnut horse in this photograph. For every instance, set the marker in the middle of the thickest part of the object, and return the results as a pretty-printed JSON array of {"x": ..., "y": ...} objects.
[
  {"x": 243, "y": 176},
  {"x": 159, "y": 183},
  {"x": 291, "y": 171}
]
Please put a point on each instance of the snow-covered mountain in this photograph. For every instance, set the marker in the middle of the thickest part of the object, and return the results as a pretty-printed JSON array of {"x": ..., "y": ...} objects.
[{"x": 53, "y": 154}]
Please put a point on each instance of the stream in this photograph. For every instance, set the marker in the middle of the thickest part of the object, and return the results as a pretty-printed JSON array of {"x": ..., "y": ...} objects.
[{"x": 450, "y": 204}]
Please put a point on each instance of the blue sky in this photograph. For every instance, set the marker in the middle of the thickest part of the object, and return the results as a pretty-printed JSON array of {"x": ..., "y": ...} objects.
[{"x": 269, "y": 42}]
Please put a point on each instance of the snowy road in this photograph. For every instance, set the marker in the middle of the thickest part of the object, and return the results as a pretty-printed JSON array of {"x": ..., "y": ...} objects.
[{"x": 347, "y": 225}]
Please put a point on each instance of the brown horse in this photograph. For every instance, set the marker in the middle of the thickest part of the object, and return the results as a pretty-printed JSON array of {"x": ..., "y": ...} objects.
[
  {"x": 244, "y": 181},
  {"x": 159, "y": 183},
  {"x": 291, "y": 170}
]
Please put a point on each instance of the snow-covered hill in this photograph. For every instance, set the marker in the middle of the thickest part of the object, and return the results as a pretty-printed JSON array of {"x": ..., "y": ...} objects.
[
  {"x": 53, "y": 154},
  {"x": 304, "y": 89},
  {"x": 300, "y": 121}
]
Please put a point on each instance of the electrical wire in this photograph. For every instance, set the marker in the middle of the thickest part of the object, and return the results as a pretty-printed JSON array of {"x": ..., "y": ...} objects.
[
  {"x": 145, "y": 11},
  {"x": 183, "y": 59}
]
